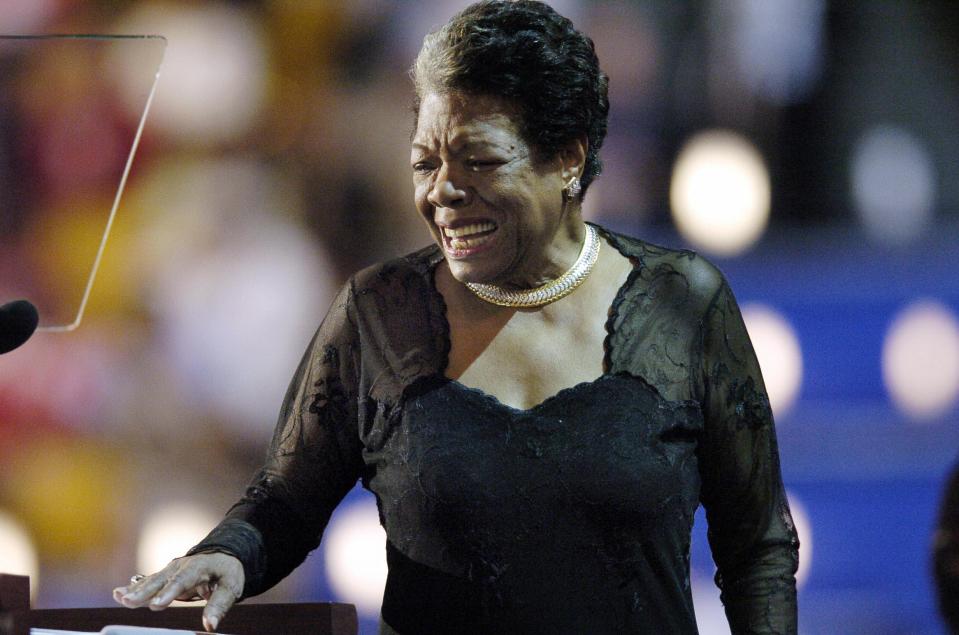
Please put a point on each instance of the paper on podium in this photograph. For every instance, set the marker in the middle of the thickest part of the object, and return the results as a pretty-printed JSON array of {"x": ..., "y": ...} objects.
[{"x": 114, "y": 630}]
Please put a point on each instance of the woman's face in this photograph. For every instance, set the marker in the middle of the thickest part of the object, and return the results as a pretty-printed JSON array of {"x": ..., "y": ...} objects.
[{"x": 494, "y": 207}]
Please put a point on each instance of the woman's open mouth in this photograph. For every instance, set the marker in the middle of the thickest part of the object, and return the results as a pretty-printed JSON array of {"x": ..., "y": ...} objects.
[{"x": 466, "y": 240}]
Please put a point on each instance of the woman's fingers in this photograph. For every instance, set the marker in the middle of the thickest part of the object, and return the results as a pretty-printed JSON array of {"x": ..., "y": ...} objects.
[
  {"x": 201, "y": 592},
  {"x": 140, "y": 593},
  {"x": 216, "y": 577},
  {"x": 184, "y": 582},
  {"x": 181, "y": 579},
  {"x": 220, "y": 601}
]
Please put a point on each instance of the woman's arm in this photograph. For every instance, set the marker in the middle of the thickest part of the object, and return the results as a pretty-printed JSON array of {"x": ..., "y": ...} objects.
[
  {"x": 313, "y": 461},
  {"x": 751, "y": 533}
]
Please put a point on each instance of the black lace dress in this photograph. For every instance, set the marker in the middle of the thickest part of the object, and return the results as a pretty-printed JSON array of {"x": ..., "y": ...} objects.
[{"x": 571, "y": 517}]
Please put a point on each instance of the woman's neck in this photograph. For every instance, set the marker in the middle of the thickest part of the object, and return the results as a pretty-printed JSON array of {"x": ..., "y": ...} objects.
[{"x": 551, "y": 261}]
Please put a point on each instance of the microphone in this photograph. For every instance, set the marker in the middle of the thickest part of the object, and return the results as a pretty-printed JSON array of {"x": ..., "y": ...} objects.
[{"x": 18, "y": 321}]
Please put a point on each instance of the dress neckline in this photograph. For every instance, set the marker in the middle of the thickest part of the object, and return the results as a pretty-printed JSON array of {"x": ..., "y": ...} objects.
[
  {"x": 560, "y": 394},
  {"x": 439, "y": 303}
]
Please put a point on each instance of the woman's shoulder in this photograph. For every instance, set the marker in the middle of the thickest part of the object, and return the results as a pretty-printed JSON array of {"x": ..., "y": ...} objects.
[
  {"x": 397, "y": 297},
  {"x": 402, "y": 270},
  {"x": 687, "y": 268},
  {"x": 400, "y": 320}
]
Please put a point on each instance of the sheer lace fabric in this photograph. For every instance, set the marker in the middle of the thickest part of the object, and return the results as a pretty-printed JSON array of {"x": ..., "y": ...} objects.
[{"x": 575, "y": 512}]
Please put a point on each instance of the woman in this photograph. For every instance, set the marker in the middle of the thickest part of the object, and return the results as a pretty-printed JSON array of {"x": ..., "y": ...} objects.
[{"x": 539, "y": 405}]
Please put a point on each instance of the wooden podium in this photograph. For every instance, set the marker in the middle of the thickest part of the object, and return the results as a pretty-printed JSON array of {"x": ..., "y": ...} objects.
[{"x": 321, "y": 618}]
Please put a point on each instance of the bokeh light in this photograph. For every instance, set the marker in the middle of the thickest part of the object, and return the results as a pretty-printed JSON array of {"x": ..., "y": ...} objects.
[
  {"x": 804, "y": 530},
  {"x": 630, "y": 53},
  {"x": 720, "y": 192},
  {"x": 355, "y": 553},
  {"x": 779, "y": 353},
  {"x": 169, "y": 532},
  {"x": 17, "y": 552},
  {"x": 778, "y": 46},
  {"x": 69, "y": 159},
  {"x": 214, "y": 71},
  {"x": 64, "y": 242},
  {"x": 27, "y": 16},
  {"x": 66, "y": 491},
  {"x": 893, "y": 184},
  {"x": 236, "y": 286},
  {"x": 920, "y": 360},
  {"x": 710, "y": 613},
  {"x": 80, "y": 366}
]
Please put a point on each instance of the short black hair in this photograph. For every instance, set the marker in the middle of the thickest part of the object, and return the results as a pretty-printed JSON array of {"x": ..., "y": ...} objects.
[{"x": 526, "y": 52}]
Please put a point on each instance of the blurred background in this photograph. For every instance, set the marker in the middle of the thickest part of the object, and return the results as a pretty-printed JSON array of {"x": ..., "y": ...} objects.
[{"x": 809, "y": 147}]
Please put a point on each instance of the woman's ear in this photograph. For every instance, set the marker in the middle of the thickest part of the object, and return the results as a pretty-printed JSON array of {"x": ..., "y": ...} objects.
[{"x": 573, "y": 157}]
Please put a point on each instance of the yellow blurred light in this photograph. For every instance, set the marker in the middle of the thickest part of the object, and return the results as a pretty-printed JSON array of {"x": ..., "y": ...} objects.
[
  {"x": 67, "y": 493},
  {"x": 355, "y": 556},
  {"x": 169, "y": 532},
  {"x": 17, "y": 553},
  {"x": 920, "y": 360},
  {"x": 720, "y": 192},
  {"x": 64, "y": 243},
  {"x": 779, "y": 353}
]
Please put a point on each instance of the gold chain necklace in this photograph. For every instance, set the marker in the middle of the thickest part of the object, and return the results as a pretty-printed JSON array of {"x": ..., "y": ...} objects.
[{"x": 551, "y": 291}]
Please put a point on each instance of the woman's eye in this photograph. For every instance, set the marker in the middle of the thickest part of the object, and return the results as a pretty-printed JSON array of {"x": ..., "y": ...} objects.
[
  {"x": 483, "y": 164},
  {"x": 422, "y": 167}
]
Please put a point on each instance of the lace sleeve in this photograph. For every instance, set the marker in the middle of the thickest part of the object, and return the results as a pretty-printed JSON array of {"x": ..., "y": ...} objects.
[
  {"x": 313, "y": 461},
  {"x": 753, "y": 540}
]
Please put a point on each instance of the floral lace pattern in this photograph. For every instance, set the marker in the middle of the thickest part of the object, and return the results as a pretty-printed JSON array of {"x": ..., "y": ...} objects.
[{"x": 674, "y": 330}]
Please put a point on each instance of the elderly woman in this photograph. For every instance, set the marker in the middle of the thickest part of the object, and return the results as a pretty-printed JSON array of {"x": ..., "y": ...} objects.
[{"x": 538, "y": 404}]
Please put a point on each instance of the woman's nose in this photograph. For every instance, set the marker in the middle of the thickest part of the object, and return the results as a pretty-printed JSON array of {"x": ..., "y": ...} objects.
[{"x": 447, "y": 193}]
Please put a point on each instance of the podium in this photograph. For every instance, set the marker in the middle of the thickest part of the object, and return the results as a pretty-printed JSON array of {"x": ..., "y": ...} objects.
[{"x": 319, "y": 618}]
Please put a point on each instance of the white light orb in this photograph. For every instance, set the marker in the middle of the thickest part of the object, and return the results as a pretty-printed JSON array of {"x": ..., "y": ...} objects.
[
  {"x": 230, "y": 277},
  {"x": 18, "y": 556},
  {"x": 355, "y": 553},
  {"x": 779, "y": 352},
  {"x": 710, "y": 614},
  {"x": 920, "y": 360},
  {"x": 169, "y": 531},
  {"x": 893, "y": 184},
  {"x": 778, "y": 46},
  {"x": 214, "y": 73},
  {"x": 720, "y": 192},
  {"x": 804, "y": 531}
]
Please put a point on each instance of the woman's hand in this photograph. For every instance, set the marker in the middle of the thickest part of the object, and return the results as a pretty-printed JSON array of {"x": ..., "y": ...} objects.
[{"x": 215, "y": 577}]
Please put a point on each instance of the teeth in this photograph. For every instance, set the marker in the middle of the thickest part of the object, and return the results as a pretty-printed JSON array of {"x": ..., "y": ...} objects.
[
  {"x": 467, "y": 243},
  {"x": 466, "y": 230}
]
